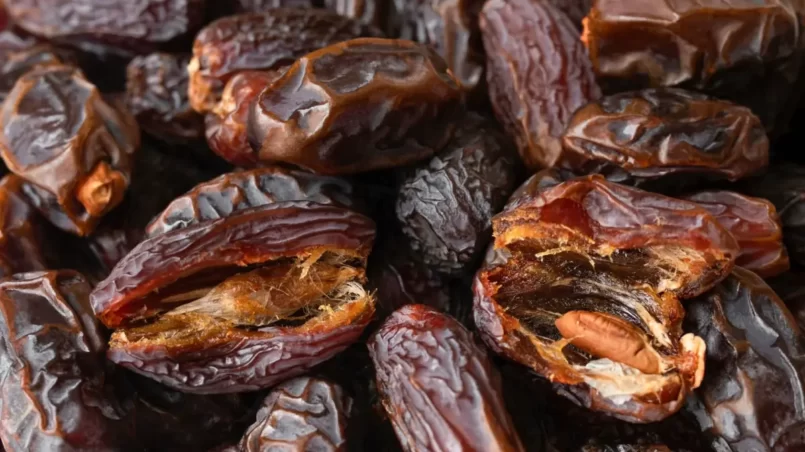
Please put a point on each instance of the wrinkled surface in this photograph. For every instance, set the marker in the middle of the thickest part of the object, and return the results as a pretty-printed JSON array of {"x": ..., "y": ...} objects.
[
  {"x": 445, "y": 207},
  {"x": 754, "y": 224},
  {"x": 356, "y": 106},
  {"x": 754, "y": 388},
  {"x": 261, "y": 41},
  {"x": 20, "y": 57},
  {"x": 302, "y": 414},
  {"x": 54, "y": 395},
  {"x": 667, "y": 136},
  {"x": 583, "y": 285},
  {"x": 439, "y": 388},
  {"x": 538, "y": 74},
  {"x": 21, "y": 231},
  {"x": 72, "y": 148}
]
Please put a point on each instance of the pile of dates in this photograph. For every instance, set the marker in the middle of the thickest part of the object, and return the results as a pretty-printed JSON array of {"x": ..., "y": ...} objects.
[{"x": 402, "y": 225}]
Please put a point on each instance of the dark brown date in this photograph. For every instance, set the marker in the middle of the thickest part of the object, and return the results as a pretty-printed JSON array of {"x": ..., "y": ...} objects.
[
  {"x": 256, "y": 6},
  {"x": 302, "y": 414},
  {"x": 18, "y": 61},
  {"x": 72, "y": 148},
  {"x": 242, "y": 302},
  {"x": 156, "y": 93},
  {"x": 261, "y": 41},
  {"x": 243, "y": 190},
  {"x": 21, "y": 231},
  {"x": 754, "y": 224},
  {"x": 438, "y": 386},
  {"x": 583, "y": 284},
  {"x": 445, "y": 207},
  {"x": 788, "y": 286},
  {"x": 53, "y": 390},
  {"x": 576, "y": 10},
  {"x": 357, "y": 106},
  {"x": 538, "y": 74},
  {"x": 374, "y": 12},
  {"x": 752, "y": 392},
  {"x": 664, "y": 136}
]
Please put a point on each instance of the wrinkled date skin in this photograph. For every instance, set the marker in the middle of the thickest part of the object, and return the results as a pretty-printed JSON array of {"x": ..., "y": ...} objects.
[
  {"x": 73, "y": 149},
  {"x": 367, "y": 11},
  {"x": 156, "y": 94},
  {"x": 52, "y": 381},
  {"x": 21, "y": 231},
  {"x": 18, "y": 61},
  {"x": 749, "y": 54},
  {"x": 438, "y": 386},
  {"x": 583, "y": 283},
  {"x": 357, "y": 106},
  {"x": 754, "y": 224},
  {"x": 752, "y": 391},
  {"x": 261, "y": 41},
  {"x": 538, "y": 74},
  {"x": 664, "y": 137},
  {"x": 242, "y": 302},
  {"x": 302, "y": 414},
  {"x": 445, "y": 207}
]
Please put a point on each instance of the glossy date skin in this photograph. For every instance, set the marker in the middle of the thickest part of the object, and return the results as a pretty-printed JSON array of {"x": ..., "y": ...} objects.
[
  {"x": 752, "y": 391},
  {"x": 49, "y": 335},
  {"x": 538, "y": 74},
  {"x": 21, "y": 56},
  {"x": 378, "y": 103},
  {"x": 22, "y": 231},
  {"x": 663, "y": 138},
  {"x": 73, "y": 149},
  {"x": 413, "y": 387},
  {"x": 583, "y": 285}
]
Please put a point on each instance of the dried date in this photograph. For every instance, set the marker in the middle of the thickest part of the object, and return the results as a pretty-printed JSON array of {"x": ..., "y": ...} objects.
[
  {"x": 538, "y": 74},
  {"x": 788, "y": 286},
  {"x": 356, "y": 106},
  {"x": 18, "y": 61},
  {"x": 583, "y": 284},
  {"x": 22, "y": 231}
]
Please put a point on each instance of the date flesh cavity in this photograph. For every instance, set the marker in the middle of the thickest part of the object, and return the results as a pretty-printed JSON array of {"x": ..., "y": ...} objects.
[
  {"x": 357, "y": 106},
  {"x": 438, "y": 387},
  {"x": 583, "y": 284}
]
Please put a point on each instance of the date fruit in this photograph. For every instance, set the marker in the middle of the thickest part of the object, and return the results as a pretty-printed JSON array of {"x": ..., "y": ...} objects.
[
  {"x": 753, "y": 390},
  {"x": 438, "y": 386},
  {"x": 357, "y": 106},
  {"x": 28, "y": 56},
  {"x": 22, "y": 231},
  {"x": 242, "y": 302},
  {"x": 538, "y": 74},
  {"x": 72, "y": 148},
  {"x": 583, "y": 283}
]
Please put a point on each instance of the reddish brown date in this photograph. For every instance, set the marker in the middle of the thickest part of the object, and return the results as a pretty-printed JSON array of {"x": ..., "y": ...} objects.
[
  {"x": 21, "y": 231},
  {"x": 664, "y": 136},
  {"x": 583, "y": 284},
  {"x": 261, "y": 41},
  {"x": 357, "y": 106},
  {"x": 438, "y": 386},
  {"x": 72, "y": 148},
  {"x": 752, "y": 393},
  {"x": 20, "y": 56},
  {"x": 301, "y": 415},
  {"x": 53, "y": 390},
  {"x": 754, "y": 224},
  {"x": 538, "y": 74}
]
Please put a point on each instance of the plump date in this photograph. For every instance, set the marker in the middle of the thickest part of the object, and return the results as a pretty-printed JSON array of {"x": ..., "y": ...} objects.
[
  {"x": 752, "y": 391},
  {"x": 356, "y": 106},
  {"x": 426, "y": 362},
  {"x": 583, "y": 284},
  {"x": 664, "y": 137},
  {"x": 156, "y": 94},
  {"x": 445, "y": 206},
  {"x": 538, "y": 74},
  {"x": 72, "y": 148},
  {"x": 267, "y": 40}
]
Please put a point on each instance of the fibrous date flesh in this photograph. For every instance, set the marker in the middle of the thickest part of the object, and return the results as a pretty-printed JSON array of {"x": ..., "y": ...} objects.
[
  {"x": 664, "y": 136},
  {"x": 538, "y": 74},
  {"x": 261, "y": 41},
  {"x": 754, "y": 224},
  {"x": 357, "y": 106},
  {"x": 302, "y": 414},
  {"x": 583, "y": 284},
  {"x": 242, "y": 302},
  {"x": 72, "y": 148},
  {"x": 52, "y": 379},
  {"x": 156, "y": 94},
  {"x": 445, "y": 207},
  {"x": 752, "y": 392},
  {"x": 438, "y": 386}
]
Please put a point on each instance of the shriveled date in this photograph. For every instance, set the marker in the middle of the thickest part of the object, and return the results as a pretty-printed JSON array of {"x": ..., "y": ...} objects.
[
  {"x": 438, "y": 386},
  {"x": 20, "y": 57},
  {"x": 22, "y": 232}
]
